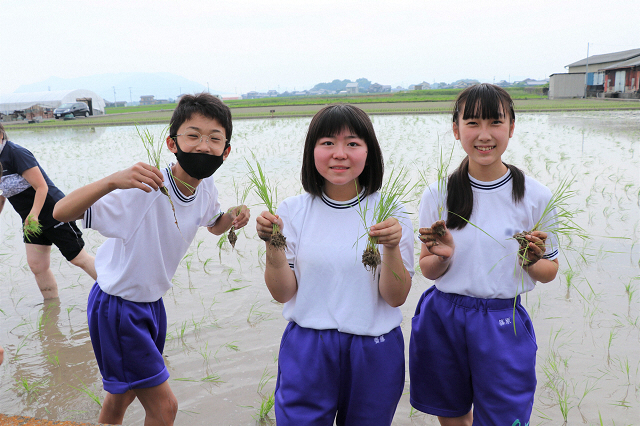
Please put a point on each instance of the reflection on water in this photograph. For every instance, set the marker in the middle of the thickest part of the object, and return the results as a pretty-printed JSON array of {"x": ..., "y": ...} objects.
[{"x": 224, "y": 329}]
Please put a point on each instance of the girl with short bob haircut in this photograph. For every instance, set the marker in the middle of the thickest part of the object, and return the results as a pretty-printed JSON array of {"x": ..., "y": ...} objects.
[
  {"x": 468, "y": 348},
  {"x": 342, "y": 354}
]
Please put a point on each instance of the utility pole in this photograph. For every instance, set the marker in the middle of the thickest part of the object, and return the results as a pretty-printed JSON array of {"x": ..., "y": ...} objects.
[
  {"x": 130, "y": 97},
  {"x": 208, "y": 91},
  {"x": 114, "y": 96},
  {"x": 586, "y": 73}
]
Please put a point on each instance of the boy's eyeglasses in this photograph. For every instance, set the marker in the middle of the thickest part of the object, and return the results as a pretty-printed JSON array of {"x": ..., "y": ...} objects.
[{"x": 193, "y": 138}]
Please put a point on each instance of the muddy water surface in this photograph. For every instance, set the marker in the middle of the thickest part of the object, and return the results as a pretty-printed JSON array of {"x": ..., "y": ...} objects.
[{"x": 224, "y": 328}]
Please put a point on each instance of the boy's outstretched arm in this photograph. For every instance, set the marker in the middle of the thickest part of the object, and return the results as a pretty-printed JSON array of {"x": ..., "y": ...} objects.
[
  {"x": 140, "y": 175},
  {"x": 237, "y": 216}
]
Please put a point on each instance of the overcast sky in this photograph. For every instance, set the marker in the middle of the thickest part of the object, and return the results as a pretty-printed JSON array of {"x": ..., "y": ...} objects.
[{"x": 240, "y": 45}]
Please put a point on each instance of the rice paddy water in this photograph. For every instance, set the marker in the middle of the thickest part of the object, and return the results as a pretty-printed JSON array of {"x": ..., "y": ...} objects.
[{"x": 224, "y": 329}]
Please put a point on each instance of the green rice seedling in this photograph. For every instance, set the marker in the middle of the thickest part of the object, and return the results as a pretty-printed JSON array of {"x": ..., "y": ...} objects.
[
  {"x": 221, "y": 243},
  {"x": 31, "y": 228},
  {"x": 267, "y": 401},
  {"x": 392, "y": 195},
  {"x": 625, "y": 368},
  {"x": 559, "y": 387},
  {"x": 69, "y": 309},
  {"x": 212, "y": 378},
  {"x": 31, "y": 389},
  {"x": 242, "y": 191},
  {"x": 266, "y": 405},
  {"x": 630, "y": 290},
  {"x": 587, "y": 390},
  {"x": 205, "y": 352},
  {"x": 557, "y": 218},
  {"x": 612, "y": 335},
  {"x": 21, "y": 345},
  {"x": 569, "y": 274},
  {"x": 88, "y": 392},
  {"x": 268, "y": 193},
  {"x": 204, "y": 265},
  {"x": 53, "y": 359},
  {"x": 256, "y": 316},
  {"x": 235, "y": 289},
  {"x": 154, "y": 154},
  {"x": 198, "y": 244},
  {"x": 231, "y": 346},
  {"x": 442, "y": 174}
]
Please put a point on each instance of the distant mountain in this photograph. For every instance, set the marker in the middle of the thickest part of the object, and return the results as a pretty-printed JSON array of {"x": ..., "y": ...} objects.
[{"x": 129, "y": 86}]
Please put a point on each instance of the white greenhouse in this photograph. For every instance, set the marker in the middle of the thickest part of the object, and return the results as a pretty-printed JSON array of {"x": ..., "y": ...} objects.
[{"x": 22, "y": 102}]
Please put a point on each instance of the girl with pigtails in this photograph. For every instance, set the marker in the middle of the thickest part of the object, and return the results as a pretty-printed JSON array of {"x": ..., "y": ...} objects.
[{"x": 472, "y": 351}]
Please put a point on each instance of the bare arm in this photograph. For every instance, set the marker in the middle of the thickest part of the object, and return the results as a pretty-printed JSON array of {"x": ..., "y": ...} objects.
[
  {"x": 280, "y": 279},
  {"x": 36, "y": 180},
  {"x": 237, "y": 216},
  {"x": 2, "y": 199},
  {"x": 140, "y": 175},
  {"x": 395, "y": 280},
  {"x": 436, "y": 252}
]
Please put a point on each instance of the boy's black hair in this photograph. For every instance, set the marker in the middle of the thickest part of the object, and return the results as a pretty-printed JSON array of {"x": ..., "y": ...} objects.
[
  {"x": 485, "y": 101},
  {"x": 206, "y": 105},
  {"x": 329, "y": 122}
]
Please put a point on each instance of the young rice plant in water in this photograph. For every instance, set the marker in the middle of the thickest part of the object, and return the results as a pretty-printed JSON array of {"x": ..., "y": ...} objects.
[{"x": 263, "y": 189}]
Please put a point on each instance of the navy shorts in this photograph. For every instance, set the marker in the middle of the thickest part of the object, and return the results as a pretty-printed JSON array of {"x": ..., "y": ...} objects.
[
  {"x": 325, "y": 375},
  {"x": 464, "y": 351},
  {"x": 128, "y": 340},
  {"x": 65, "y": 235}
]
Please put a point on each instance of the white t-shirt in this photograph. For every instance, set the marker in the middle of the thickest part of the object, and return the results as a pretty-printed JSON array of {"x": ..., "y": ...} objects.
[
  {"x": 144, "y": 245},
  {"x": 481, "y": 266},
  {"x": 325, "y": 241}
]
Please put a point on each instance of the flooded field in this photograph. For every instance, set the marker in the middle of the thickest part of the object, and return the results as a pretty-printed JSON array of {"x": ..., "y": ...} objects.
[{"x": 224, "y": 328}]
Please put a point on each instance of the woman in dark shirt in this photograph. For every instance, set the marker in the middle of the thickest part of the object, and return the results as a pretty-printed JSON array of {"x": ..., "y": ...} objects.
[{"x": 33, "y": 195}]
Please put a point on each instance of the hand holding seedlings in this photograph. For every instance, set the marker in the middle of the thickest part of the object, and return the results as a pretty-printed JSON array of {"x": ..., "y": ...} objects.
[
  {"x": 387, "y": 232},
  {"x": 437, "y": 242},
  {"x": 140, "y": 175},
  {"x": 264, "y": 225},
  {"x": 240, "y": 217},
  {"x": 32, "y": 227},
  {"x": 532, "y": 247}
]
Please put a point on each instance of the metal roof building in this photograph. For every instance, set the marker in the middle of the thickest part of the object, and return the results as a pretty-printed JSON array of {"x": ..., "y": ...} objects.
[{"x": 598, "y": 62}]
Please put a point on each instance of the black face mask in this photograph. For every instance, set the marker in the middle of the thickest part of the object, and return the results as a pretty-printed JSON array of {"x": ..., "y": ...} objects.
[{"x": 198, "y": 165}]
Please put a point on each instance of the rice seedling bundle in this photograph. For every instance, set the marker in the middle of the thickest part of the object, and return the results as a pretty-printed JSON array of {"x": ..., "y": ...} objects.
[
  {"x": 268, "y": 194},
  {"x": 392, "y": 196},
  {"x": 31, "y": 228}
]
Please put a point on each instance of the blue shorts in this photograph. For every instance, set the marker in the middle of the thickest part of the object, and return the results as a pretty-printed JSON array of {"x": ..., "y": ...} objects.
[
  {"x": 464, "y": 351},
  {"x": 325, "y": 375},
  {"x": 128, "y": 340}
]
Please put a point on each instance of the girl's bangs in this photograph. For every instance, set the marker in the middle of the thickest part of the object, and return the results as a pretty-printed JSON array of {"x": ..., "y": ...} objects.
[
  {"x": 485, "y": 102},
  {"x": 338, "y": 119},
  {"x": 492, "y": 108}
]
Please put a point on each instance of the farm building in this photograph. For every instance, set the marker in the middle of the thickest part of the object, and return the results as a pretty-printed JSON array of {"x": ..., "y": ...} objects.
[
  {"x": 42, "y": 104},
  {"x": 595, "y": 71},
  {"x": 566, "y": 85},
  {"x": 352, "y": 88},
  {"x": 623, "y": 79}
]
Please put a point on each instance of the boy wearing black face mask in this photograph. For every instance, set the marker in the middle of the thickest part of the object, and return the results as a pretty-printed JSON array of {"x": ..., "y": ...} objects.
[{"x": 127, "y": 320}]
